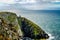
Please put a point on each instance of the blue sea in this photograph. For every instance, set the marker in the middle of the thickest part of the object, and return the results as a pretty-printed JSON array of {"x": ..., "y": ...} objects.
[{"x": 49, "y": 21}]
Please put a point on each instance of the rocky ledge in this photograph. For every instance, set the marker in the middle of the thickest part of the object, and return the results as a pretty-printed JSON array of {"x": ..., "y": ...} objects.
[{"x": 13, "y": 27}]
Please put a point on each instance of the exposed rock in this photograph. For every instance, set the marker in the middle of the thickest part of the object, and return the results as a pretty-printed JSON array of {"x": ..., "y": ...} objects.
[
  {"x": 32, "y": 30},
  {"x": 13, "y": 27},
  {"x": 9, "y": 27}
]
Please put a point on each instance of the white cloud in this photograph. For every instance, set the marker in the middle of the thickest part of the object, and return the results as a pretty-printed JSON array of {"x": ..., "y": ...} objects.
[
  {"x": 17, "y": 1},
  {"x": 8, "y": 1},
  {"x": 35, "y": 4},
  {"x": 55, "y": 0},
  {"x": 47, "y": 1},
  {"x": 27, "y": 1},
  {"x": 41, "y": 6}
]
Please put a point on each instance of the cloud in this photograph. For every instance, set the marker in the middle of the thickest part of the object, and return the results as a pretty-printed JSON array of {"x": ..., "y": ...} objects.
[
  {"x": 31, "y": 4},
  {"x": 55, "y": 0},
  {"x": 27, "y": 1},
  {"x": 41, "y": 6},
  {"x": 8, "y": 1},
  {"x": 17, "y": 1}
]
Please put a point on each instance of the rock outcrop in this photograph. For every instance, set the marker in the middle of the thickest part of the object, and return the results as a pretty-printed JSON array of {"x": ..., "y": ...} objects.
[
  {"x": 13, "y": 27},
  {"x": 32, "y": 30},
  {"x": 9, "y": 27}
]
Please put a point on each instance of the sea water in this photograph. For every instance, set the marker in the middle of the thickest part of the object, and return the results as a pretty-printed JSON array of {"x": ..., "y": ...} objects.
[{"x": 48, "y": 21}]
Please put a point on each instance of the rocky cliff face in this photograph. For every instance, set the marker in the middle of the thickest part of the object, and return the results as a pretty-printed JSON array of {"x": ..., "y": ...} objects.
[
  {"x": 9, "y": 27},
  {"x": 13, "y": 27},
  {"x": 32, "y": 30}
]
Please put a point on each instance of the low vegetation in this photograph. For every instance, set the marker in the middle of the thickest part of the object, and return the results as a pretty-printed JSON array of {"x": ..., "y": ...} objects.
[{"x": 13, "y": 27}]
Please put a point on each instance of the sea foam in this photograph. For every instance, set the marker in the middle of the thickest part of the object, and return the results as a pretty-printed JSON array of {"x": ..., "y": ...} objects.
[{"x": 50, "y": 37}]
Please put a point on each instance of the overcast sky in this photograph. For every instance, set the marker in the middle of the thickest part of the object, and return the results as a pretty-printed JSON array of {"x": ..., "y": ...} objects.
[{"x": 31, "y": 4}]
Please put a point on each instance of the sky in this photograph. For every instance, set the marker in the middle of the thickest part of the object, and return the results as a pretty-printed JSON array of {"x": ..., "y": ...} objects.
[{"x": 30, "y": 4}]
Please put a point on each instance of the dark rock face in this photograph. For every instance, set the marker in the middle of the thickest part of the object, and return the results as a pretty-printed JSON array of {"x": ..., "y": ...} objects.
[{"x": 32, "y": 30}]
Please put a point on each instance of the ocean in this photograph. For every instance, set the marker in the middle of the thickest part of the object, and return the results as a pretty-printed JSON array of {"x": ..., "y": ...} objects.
[{"x": 49, "y": 21}]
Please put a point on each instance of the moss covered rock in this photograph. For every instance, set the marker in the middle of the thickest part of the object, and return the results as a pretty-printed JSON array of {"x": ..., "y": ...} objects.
[{"x": 32, "y": 30}]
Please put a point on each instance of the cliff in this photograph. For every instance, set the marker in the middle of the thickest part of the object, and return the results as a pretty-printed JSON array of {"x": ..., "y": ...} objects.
[
  {"x": 31, "y": 30},
  {"x": 9, "y": 27},
  {"x": 13, "y": 27}
]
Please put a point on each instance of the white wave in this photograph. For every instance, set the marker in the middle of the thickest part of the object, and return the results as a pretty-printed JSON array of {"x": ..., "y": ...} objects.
[{"x": 50, "y": 37}]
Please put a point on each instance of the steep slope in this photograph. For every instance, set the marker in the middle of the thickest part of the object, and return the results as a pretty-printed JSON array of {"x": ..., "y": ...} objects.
[
  {"x": 32, "y": 30},
  {"x": 9, "y": 27},
  {"x": 13, "y": 27}
]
